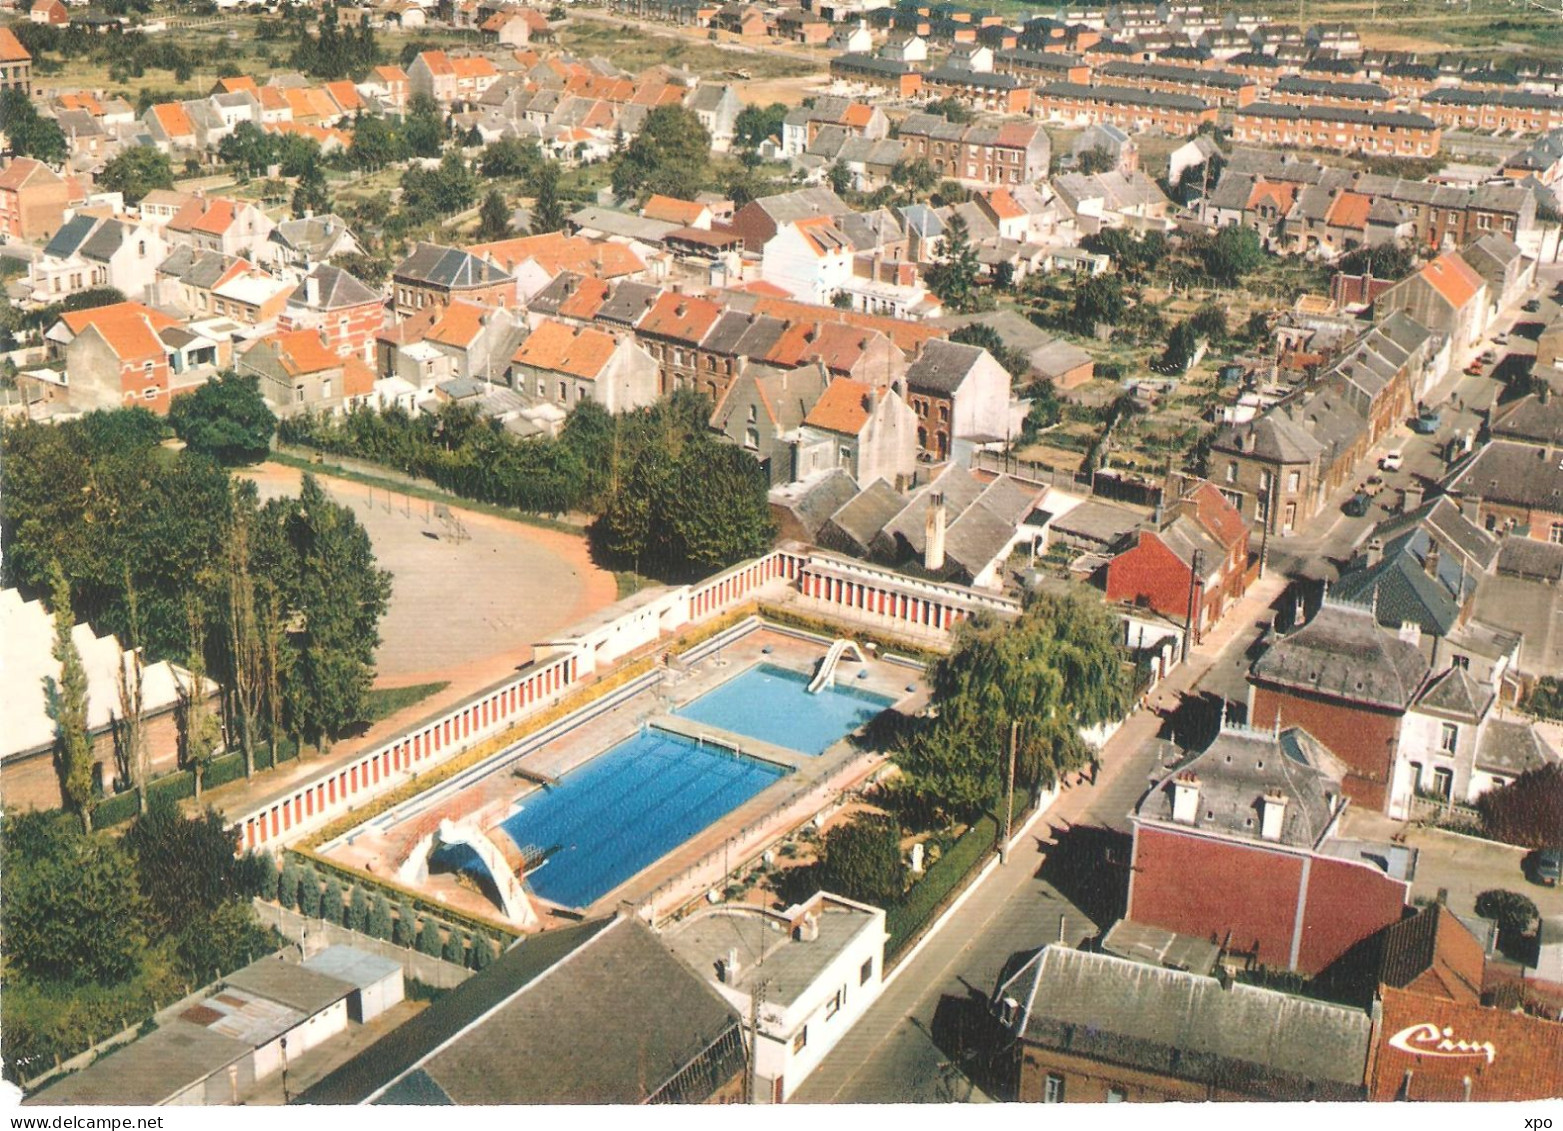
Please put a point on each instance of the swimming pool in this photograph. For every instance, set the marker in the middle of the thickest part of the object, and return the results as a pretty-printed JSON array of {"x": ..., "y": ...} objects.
[
  {"x": 609, "y": 818},
  {"x": 774, "y": 705}
]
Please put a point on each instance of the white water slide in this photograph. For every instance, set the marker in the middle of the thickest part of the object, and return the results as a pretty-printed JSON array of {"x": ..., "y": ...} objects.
[{"x": 826, "y": 676}]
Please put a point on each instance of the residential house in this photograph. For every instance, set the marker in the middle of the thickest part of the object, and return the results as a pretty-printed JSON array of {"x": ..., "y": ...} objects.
[
  {"x": 307, "y": 240},
  {"x": 895, "y": 77},
  {"x": 33, "y": 200},
  {"x": 219, "y": 224},
  {"x": 1096, "y": 1028},
  {"x": 1191, "y": 563},
  {"x": 564, "y": 365},
  {"x": 450, "y": 79},
  {"x": 298, "y": 373},
  {"x": 1380, "y": 133},
  {"x": 758, "y": 222},
  {"x": 809, "y": 259},
  {"x": 114, "y": 356},
  {"x": 834, "y": 948},
  {"x": 348, "y": 314},
  {"x": 51, "y": 12},
  {"x": 1447, "y": 296},
  {"x": 16, "y": 64},
  {"x": 89, "y": 252},
  {"x": 1349, "y": 683},
  {"x": 762, "y": 409},
  {"x": 1114, "y": 200},
  {"x": 961, "y": 396},
  {"x": 434, "y": 275},
  {"x": 1509, "y": 273},
  {"x": 1128, "y": 108},
  {"x": 867, "y": 431},
  {"x": 1514, "y": 488},
  {"x": 717, "y": 105},
  {"x": 1010, "y": 153},
  {"x": 961, "y": 527},
  {"x": 1241, "y": 843}
]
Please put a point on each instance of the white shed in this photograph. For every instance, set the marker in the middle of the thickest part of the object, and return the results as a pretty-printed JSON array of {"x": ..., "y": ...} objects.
[{"x": 377, "y": 982}]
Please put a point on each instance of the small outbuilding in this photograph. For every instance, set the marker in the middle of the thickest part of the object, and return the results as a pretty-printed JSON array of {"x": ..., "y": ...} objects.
[{"x": 377, "y": 982}]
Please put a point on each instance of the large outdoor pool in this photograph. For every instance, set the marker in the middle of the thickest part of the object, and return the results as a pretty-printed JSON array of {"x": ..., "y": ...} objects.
[
  {"x": 609, "y": 818},
  {"x": 774, "y": 705}
]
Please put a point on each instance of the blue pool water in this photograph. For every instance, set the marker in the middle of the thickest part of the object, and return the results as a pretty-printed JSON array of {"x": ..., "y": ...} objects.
[
  {"x": 630, "y": 805},
  {"x": 774, "y": 705}
]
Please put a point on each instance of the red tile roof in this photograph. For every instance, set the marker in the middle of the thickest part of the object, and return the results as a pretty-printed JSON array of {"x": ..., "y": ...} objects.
[
  {"x": 558, "y": 252},
  {"x": 1349, "y": 210},
  {"x": 302, "y": 351},
  {"x": 130, "y": 329},
  {"x": 11, "y": 49},
  {"x": 680, "y": 316},
  {"x": 565, "y": 349},
  {"x": 458, "y": 325},
  {"x": 172, "y": 118},
  {"x": 586, "y": 300},
  {"x": 23, "y": 171},
  {"x": 909, "y": 336},
  {"x": 844, "y": 408},
  {"x": 1453, "y": 278},
  {"x": 672, "y": 210}
]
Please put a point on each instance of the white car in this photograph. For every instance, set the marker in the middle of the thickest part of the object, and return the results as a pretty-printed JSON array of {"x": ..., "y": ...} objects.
[{"x": 1391, "y": 461}]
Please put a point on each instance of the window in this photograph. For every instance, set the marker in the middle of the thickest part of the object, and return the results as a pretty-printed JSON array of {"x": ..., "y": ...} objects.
[
  {"x": 150, "y": 392},
  {"x": 837, "y": 1000},
  {"x": 1448, "y": 738},
  {"x": 752, "y": 438},
  {"x": 563, "y": 391},
  {"x": 866, "y": 973},
  {"x": 1293, "y": 480},
  {"x": 298, "y": 394},
  {"x": 325, "y": 388},
  {"x": 1555, "y": 535},
  {"x": 1232, "y": 472},
  {"x": 754, "y": 413},
  {"x": 1053, "y": 1089},
  {"x": 1114, "y": 1096},
  {"x": 1443, "y": 782},
  {"x": 801, "y": 1039}
]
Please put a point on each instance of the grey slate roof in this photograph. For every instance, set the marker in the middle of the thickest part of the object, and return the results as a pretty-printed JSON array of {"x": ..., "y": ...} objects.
[
  {"x": 1332, "y": 114},
  {"x": 1509, "y": 472},
  {"x": 337, "y": 289},
  {"x": 854, "y": 526},
  {"x": 610, "y": 1025},
  {"x": 1240, "y": 767},
  {"x": 1457, "y": 695},
  {"x": 1530, "y": 558},
  {"x": 1363, "y": 91},
  {"x": 1343, "y": 653},
  {"x": 1512, "y": 748},
  {"x": 1252, "y": 1040},
  {"x": 446, "y": 267},
  {"x": 71, "y": 235},
  {"x": 1532, "y": 418},
  {"x": 355, "y": 967},
  {"x": 395, "y": 1056},
  {"x": 1125, "y": 95},
  {"x": 942, "y": 367},
  {"x": 813, "y": 500},
  {"x": 149, "y": 1071},
  {"x": 627, "y": 303},
  {"x": 105, "y": 241}
]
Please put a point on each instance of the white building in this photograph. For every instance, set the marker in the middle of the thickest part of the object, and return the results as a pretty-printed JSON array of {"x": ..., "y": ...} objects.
[
  {"x": 810, "y": 259},
  {"x": 814, "y": 968}
]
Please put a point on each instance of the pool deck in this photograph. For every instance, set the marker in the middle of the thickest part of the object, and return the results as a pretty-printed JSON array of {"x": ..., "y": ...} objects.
[{"x": 701, "y": 862}]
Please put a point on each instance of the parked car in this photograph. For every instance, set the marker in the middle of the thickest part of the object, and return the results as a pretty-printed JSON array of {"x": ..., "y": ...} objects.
[
  {"x": 1488, "y": 357},
  {"x": 1549, "y": 867},
  {"x": 1532, "y": 306},
  {"x": 1474, "y": 369},
  {"x": 1427, "y": 423},
  {"x": 1358, "y": 504},
  {"x": 1392, "y": 461}
]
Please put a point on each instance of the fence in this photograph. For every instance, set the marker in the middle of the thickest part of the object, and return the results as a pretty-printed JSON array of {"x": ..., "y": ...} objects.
[
  {"x": 314, "y": 935},
  {"x": 855, "y": 587}
]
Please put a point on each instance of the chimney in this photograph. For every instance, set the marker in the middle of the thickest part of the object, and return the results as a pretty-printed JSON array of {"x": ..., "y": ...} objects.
[
  {"x": 312, "y": 289},
  {"x": 1410, "y": 632},
  {"x": 727, "y": 968},
  {"x": 1375, "y": 551},
  {"x": 808, "y": 928},
  {"x": 1430, "y": 563},
  {"x": 1185, "y": 798},
  {"x": 1543, "y": 393},
  {"x": 1272, "y": 814},
  {"x": 933, "y": 549}
]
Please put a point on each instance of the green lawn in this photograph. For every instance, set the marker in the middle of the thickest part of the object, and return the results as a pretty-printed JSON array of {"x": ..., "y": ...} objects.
[{"x": 385, "y": 702}]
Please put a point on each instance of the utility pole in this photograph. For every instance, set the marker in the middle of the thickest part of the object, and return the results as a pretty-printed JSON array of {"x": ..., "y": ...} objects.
[
  {"x": 752, "y": 1078},
  {"x": 1188, "y": 620},
  {"x": 1009, "y": 791}
]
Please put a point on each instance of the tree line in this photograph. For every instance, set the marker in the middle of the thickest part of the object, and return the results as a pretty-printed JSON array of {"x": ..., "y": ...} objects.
[
  {"x": 669, "y": 498},
  {"x": 278, "y": 602}
]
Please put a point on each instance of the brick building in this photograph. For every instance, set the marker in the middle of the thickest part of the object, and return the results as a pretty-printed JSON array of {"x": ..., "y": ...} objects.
[
  {"x": 431, "y": 274},
  {"x": 981, "y": 90},
  {"x": 1095, "y": 1028},
  {"x": 1349, "y": 683},
  {"x": 1302, "y": 90},
  {"x": 1041, "y": 66},
  {"x": 115, "y": 356},
  {"x": 1124, "y": 107},
  {"x": 903, "y": 80},
  {"x": 1518, "y": 112},
  {"x": 1380, "y": 133},
  {"x": 1220, "y": 88},
  {"x": 33, "y": 200},
  {"x": 16, "y": 64},
  {"x": 1010, "y": 153},
  {"x": 1241, "y": 844},
  {"x": 344, "y": 310},
  {"x": 1189, "y": 564}
]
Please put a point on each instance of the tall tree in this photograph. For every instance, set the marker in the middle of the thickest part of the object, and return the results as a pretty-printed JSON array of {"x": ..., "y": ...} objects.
[
  {"x": 423, "y": 130},
  {"x": 245, "y": 644},
  {"x": 202, "y": 729},
  {"x": 186, "y": 867},
  {"x": 954, "y": 277},
  {"x": 668, "y": 156},
  {"x": 494, "y": 217},
  {"x": 31, "y": 134},
  {"x": 67, "y": 705},
  {"x": 226, "y": 419},
  {"x": 136, "y": 171},
  {"x": 863, "y": 861},
  {"x": 311, "y": 195},
  {"x": 547, "y": 209},
  {"x": 129, "y": 738}
]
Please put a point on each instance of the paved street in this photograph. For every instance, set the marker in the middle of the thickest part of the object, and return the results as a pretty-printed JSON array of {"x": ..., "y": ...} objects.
[{"x": 890, "y": 1056}]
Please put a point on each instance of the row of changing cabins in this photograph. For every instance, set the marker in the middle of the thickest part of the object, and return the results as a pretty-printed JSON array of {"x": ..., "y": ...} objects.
[{"x": 214, "y": 1051}]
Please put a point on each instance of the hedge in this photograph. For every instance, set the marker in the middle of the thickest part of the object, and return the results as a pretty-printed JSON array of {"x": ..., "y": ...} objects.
[
  {"x": 824, "y": 626},
  {"x": 221, "y": 771},
  {"x": 918, "y": 906}
]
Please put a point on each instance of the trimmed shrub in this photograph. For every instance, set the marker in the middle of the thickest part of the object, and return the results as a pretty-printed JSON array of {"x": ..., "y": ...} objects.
[
  {"x": 482, "y": 952},
  {"x": 357, "y": 910},
  {"x": 405, "y": 932},
  {"x": 429, "y": 940},
  {"x": 379, "y": 923},
  {"x": 287, "y": 886},
  {"x": 267, "y": 873},
  {"x": 309, "y": 892},
  {"x": 456, "y": 948},
  {"x": 1513, "y": 912},
  {"x": 331, "y": 901}
]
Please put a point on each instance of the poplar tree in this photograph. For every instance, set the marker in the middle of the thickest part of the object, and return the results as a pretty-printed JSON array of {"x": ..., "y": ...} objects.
[{"x": 67, "y": 706}]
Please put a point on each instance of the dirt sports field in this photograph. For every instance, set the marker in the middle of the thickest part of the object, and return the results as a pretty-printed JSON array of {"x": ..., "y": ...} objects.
[{"x": 470, "y": 594}]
